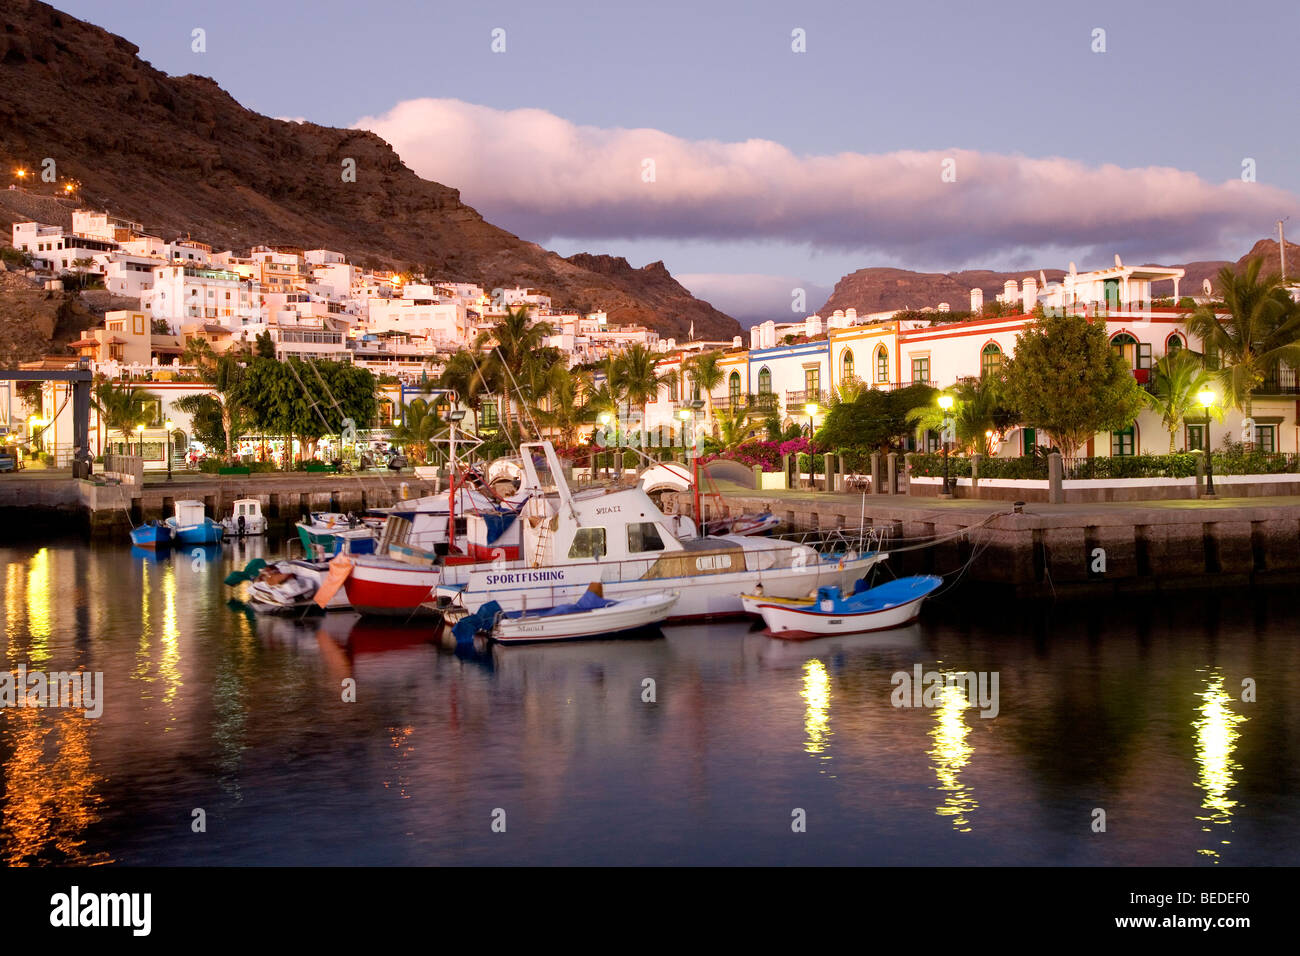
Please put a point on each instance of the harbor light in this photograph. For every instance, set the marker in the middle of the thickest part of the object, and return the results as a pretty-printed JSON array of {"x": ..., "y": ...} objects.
[
  {"x": 945, "y": 402},
  {"x": 810, "y": 409},
  {"x": 684, "y": 415},
  {"x": 1207, "y": 397}
]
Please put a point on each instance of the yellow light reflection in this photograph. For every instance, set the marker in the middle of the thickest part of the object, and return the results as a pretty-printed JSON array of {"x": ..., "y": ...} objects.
[
  {"x": 168, "y": 664},
  {"x": 817, "y": 699},
  {"x": 1216, "y": 736},
  {"x": 951, "y": 753},
  {"x": 40, "y": 605}
]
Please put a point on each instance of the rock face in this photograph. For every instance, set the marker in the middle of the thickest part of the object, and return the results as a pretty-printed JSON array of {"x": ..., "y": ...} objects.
[
  {"x": 880, "y": 290},
  {"x": 181, "y": 156}
]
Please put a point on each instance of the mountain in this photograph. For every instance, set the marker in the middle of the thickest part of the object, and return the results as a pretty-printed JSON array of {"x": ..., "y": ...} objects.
[
  {"x": 181, "y": 156},
  {"x": 880, "y": 289}
]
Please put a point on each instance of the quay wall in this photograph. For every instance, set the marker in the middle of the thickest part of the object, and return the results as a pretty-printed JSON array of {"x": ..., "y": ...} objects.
[
  {"x": 1071, "y": 551},
  {"x": 30, "y": 505}
]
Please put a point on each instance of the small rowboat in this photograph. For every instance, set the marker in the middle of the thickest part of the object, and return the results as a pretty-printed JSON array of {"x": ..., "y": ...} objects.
[
  {"x": 590, "y": 616},
  {"x": 744, "y": 524},
  {"x": 888, "y": 605}
]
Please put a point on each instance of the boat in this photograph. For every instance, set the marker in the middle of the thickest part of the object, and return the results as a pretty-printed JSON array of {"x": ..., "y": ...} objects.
[
  {"x": 285, "y": 586},
  {"x": 618, "y": 536},
  {"x": 152, "y": 534},
  {"x": 885, "y": 606},
  {"x": 591, "y": 616},
  {"x": 763, "y": 523},
  {"x": 245, "y": 518},
  {"x": 190, "y": 525},
  {"x": 327, "y": 533}
]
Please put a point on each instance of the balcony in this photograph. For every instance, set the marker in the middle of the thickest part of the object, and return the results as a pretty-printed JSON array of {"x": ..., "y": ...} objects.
[
  {"x": 1282, "y": 382},
  {"x": 803, "y": 398}
]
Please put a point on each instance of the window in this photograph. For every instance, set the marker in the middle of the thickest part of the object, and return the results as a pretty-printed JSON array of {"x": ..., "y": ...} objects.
[
  {"x": 1266, "y": 437},
  {"x": 846, "y": 366},
  {"x": 643, "y": 536},
  {"x": 588, "y": 543},
  {"x": 733, "y": 389},
  {"x": 1174, "y": 344},
  {"x": 990, "y": 360},
  {"x": 675, "y": 387},
  {"x": 1030, "y": 436},
  {"x": 921, "y": 369},
  {"x": 1121, "y": 443},
  {"x": 811, "y": 383},
  {"x": 932, "y": 442},
  {"x": 1125, "y": 347},
  {"x": 488, "y": 415},
  {"x": 1195, "y": 437},
  {"x": 882, "y": 365},
  {"x": 764, "y": 381}
]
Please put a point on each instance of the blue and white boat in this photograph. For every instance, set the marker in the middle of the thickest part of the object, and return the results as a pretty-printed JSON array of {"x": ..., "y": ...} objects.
[
  {"x": 151, "y": 534},
  {"x": 888, "y": 605},
  {"x": 190, "y": 525}
]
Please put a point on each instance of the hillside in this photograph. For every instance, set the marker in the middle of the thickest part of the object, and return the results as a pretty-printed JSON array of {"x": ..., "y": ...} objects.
[
  {"x": 880, "y": 289},
  {"x": 181, "y": 156}
]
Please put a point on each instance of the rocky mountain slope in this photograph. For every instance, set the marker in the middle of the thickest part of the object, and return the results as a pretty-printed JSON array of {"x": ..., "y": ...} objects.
[
  {"x": 181, "y": 156},
  {"x": 879, "y": 290}
]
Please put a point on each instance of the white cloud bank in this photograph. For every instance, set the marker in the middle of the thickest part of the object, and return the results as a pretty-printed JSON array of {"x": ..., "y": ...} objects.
[{"x": 542, "y": 176}]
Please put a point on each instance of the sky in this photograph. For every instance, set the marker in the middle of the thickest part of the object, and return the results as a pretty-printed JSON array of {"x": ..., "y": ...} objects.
[{"x": 921, "y": 135}]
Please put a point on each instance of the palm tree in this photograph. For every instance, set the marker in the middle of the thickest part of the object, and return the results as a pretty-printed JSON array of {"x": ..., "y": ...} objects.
[
  {"x": 977, "y": 414},
  {"x": 1176, "y": 379},
  {"x": 640, "y": 378},
  {"x": 517, "y": 342},
  {"x": 1261, "y": 331},
  {"x": 565, "y": 410},
  {"x": 708, "y": 375},
  {"x": 735, "y": 428},
  {"x": 464, "y": 374},
  {"x": 198, "y": 352},
  {"x": 121, "y": 408},
  {"x": 419, "y": 425}
]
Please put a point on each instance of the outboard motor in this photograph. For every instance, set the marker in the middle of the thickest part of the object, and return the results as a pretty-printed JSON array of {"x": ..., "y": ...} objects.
[{"x": 242, "y": 522}]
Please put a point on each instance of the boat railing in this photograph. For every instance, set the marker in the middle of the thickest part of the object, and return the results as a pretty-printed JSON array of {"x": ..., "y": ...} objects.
[{"x": 839, "y": 540}]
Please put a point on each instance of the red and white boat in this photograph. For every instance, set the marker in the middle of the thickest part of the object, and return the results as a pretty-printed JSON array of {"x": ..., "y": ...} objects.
[{"x": 388, "y": 587}]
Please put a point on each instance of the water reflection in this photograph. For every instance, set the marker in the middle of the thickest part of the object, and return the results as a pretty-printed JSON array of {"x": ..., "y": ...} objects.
[
  {"x": 952, "y": 752},
  {"x": 817, "y": 701},
  {"x": 1216, "y": 737}
]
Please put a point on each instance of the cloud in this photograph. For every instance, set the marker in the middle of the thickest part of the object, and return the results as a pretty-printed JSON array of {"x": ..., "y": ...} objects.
[{"x": 541, "y": 176}]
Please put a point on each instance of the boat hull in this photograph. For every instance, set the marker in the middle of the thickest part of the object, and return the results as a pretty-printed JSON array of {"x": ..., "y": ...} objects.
[
  {"x": 207, "y": 533},
  {"x": 801, "y": 623},
  {"x": 389, "y": 588},
  {"x": 700, "y": 597},
  {"x": 622, "y": 618},
  {"x": 151, "y": 536}
]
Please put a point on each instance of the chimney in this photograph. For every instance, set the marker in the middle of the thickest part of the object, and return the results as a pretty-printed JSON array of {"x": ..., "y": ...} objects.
[
  {"x": 851, "y": 315},
  {"x": 1010, "y": 291},
  {"x": 977, "y": 300},
  {"x": 755, "y": 337},
  {"x": 944, "y": 307},
  {"x": 1030, "y": 293}
]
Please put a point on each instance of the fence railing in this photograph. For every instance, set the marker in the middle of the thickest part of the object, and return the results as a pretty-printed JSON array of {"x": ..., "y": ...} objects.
[{"x": 1176, "y": 465}]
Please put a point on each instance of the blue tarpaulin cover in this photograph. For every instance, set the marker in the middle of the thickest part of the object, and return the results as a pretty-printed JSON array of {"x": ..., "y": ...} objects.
[{"x": 481, "y": 620}]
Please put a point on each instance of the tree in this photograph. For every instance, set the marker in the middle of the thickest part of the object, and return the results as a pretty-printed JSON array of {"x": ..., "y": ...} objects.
[
  {"x": 978, "y": 413},
  {"x": 419, "y": 426},
  {"x": 228, "y": 380},
  {"x": 874, "y": 421},
  {"x": 707, "y": 374},
  {"x": 464, "y": 375},
  {"x": 121, "y": 408},
  {"x": 639, "y": 377},
  {"x": 1176, "y": 381},
  {"x": 265, "y": 347},
  {"x": 1066, "y": 379},
  {"x": 1261, "y": 331},
  {"x": 735, "y": 428},
  {"x": 565, "y": 409},
  {"x": 517, "y": 344},
  {"x": 198, "y": 352}
]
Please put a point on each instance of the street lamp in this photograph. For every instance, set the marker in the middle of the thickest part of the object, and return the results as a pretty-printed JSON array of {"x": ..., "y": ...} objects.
[
  {"x": 811, "y": 411},
  {"x": 605, "y": 418},
  {"x": 139, "y": 430},
  {"x": 945, "y": 403},
  {"x": 1206, "y": 397},
  {"x": 169, "y": 426}
]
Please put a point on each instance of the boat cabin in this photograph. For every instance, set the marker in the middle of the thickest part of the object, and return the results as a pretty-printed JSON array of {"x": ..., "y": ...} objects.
[{"x": 189, "y": 512}]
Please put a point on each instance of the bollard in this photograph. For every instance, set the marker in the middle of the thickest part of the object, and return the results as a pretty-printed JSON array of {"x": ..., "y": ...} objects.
[{"x": 1055, "y": 477}]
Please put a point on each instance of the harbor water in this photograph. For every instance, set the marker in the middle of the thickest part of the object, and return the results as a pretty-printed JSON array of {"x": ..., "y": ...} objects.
[{"x": 1158, "y": 730}]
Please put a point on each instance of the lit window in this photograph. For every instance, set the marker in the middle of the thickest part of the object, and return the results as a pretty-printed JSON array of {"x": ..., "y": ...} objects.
[{"x": 588, "y": 543}]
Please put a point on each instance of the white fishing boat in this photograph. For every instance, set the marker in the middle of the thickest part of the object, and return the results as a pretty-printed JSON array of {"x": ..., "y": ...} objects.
[
  {"x": 245, "y": 519},
  {"x": 591, "y": 616},
  {"x": 888, "y": 605},
  {"x": 285, "y": 586},
  {"x": 618, "y": 537}
]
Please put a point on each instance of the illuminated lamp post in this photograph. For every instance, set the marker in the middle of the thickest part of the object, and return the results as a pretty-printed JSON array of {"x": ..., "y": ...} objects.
[
  {"x": 811, "y": 411},
  {"x": 1206, "y": 397},
  {"x": 169, "y": 425},
  {"x": 945, "y": 403}
]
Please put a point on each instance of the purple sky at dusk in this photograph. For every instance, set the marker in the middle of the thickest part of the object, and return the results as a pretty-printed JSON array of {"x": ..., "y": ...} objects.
[{"x": 773, "y": 168}]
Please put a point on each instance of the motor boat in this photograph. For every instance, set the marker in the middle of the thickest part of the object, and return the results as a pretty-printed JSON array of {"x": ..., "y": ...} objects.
[
  {"x": 190, "y": 525},
  {"x": 591, "y": 616},
  {"x": 245, "y": 518},
  {"x": 285, "y": 586},
  {"x": 327, "y": 533},
  {"x": 617, "y": 536},
  {"x": 889, "y": 605}
]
